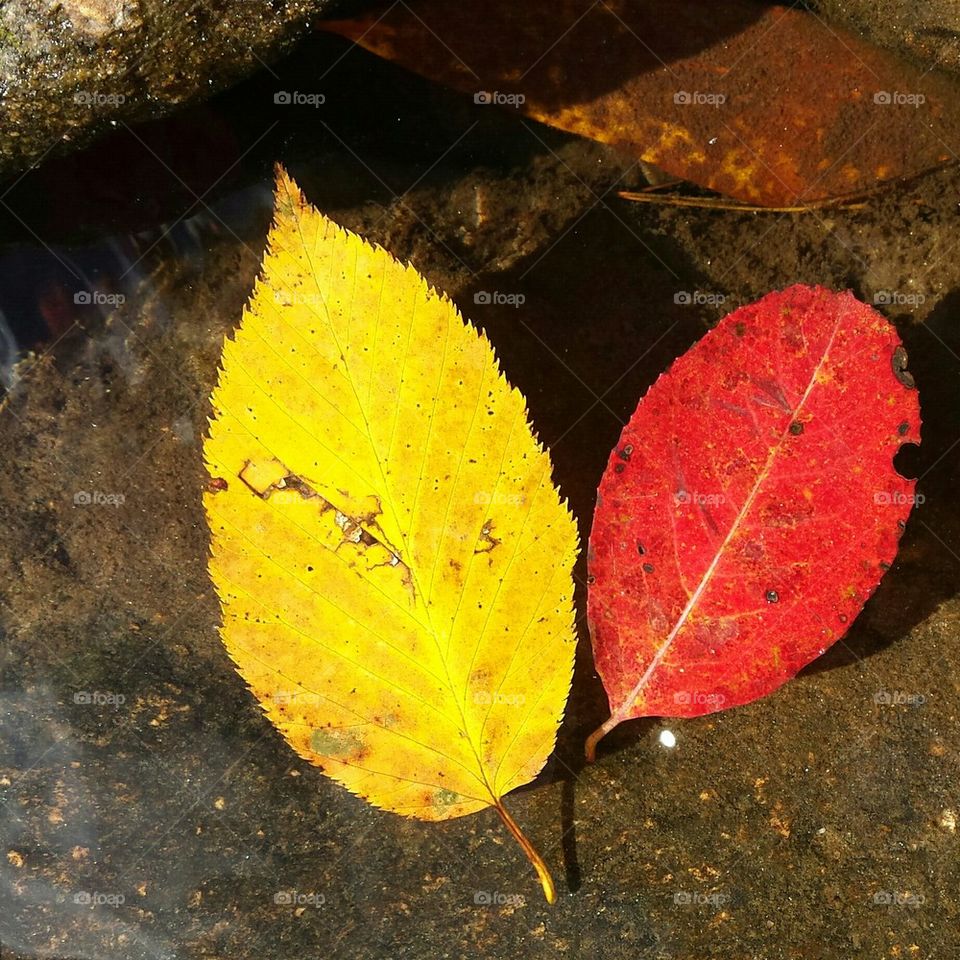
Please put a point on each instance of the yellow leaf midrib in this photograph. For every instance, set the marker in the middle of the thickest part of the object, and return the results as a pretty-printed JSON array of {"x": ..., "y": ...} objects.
[{"x": 388, "y": 501}]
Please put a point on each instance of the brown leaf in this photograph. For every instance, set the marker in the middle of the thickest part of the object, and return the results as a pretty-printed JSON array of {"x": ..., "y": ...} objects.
[{"x": 768, "y": 105}]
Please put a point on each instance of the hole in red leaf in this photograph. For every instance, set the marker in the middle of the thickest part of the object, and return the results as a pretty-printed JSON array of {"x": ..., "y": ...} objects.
[{"x": 906, "y": 461}]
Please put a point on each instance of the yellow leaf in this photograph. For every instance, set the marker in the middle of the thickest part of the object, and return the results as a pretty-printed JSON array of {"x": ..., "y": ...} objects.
[{"x": 393, "y": 561}]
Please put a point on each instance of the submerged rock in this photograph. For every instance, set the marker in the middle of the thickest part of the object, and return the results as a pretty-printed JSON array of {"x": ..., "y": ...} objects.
[
  {"x": 72, "y": 69},
  {"x": 928, "y": 33}
]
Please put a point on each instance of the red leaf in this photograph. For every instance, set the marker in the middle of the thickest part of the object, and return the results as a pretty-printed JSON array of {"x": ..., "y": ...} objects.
[{"x": 750, "y": 507}]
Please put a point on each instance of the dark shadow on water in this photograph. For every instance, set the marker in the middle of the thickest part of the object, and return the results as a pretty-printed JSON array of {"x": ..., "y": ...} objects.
[
  {"x": 567, "y": 54},
  {"x": 571, "y": 862},
  {"x": 99, "y": 219},
  {"x": 597, "y": 326}
]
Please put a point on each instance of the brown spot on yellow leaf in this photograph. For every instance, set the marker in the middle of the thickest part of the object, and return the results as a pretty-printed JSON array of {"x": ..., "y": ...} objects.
[{"x": 336, "y": 743}]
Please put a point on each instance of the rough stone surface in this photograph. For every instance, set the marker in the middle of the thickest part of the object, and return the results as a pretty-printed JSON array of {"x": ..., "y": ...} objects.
[{"x": 71, "y": 69}]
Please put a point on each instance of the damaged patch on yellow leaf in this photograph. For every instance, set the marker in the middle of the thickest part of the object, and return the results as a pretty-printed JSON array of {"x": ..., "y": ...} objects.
[{"x": 393, "y": 561}]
